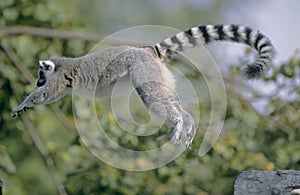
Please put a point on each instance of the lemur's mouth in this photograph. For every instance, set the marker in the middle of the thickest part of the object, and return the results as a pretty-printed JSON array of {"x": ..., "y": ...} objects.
[{"x": 41, "y": 82}]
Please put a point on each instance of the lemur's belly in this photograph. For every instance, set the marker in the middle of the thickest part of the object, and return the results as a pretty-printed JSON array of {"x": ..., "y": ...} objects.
[{"x": 120, "y": 88}]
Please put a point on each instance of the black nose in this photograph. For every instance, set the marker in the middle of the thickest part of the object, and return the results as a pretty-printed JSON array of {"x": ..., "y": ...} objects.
[{"x": 40, "y": 82}]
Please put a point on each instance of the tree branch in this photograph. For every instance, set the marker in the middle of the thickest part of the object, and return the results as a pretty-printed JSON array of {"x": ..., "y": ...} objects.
[
  {"x": 48, "y": 33},
  {"x": 14, "y": 58},
  {"x": 44, "y": 152},
  {"x": 63, "y": 119},
  {"x": 29, "y": 78},
  {"x": 61, "y": 34},
  {"x": 38, "y": 143}
]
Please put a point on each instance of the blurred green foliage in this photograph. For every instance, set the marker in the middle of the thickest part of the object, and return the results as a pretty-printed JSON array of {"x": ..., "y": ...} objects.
[{"x": 249, "y": 140}]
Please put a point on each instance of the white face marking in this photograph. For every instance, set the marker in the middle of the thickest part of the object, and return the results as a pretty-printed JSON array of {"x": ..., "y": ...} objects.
[{"x": 47, "y": 67}]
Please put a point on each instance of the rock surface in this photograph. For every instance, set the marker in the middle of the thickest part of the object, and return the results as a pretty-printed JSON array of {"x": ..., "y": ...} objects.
[{"x": 281, "y": 182}]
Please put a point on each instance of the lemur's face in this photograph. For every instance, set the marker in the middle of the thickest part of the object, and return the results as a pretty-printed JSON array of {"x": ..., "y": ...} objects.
[{"x": 46, "y": 69}]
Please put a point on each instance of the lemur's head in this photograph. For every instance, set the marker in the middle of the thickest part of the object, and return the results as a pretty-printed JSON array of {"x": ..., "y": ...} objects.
[{"x": 46, "y": 69}]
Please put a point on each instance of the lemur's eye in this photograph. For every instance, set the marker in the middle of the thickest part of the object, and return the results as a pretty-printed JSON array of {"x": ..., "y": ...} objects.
[{"x": 47, "y": 67}]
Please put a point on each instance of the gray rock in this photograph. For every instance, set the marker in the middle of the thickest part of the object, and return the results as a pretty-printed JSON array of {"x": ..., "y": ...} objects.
[{"x": 281, "y": 182}]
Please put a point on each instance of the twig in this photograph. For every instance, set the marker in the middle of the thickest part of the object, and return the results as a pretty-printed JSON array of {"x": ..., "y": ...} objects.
[
  {"x": 48, "y": 33},
  {"x": 29, "y": 78},
  {"x": 44, "y": 152},
  {"x": 60, "y": 34},
  {"x": 63, "y": 119},
  {"x": 14, "y": 58}
]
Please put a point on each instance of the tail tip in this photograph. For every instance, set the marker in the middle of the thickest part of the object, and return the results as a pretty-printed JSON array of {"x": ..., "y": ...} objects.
[{"x": 252, "y": 71}]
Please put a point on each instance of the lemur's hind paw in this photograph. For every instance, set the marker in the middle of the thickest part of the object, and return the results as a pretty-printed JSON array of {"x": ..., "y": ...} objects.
[
  {"x": 188, "y": 143},
  {"x": 191, "y": 129},
  {"x": 176, "y": 140},
  {"x": 177, "y": 132}
]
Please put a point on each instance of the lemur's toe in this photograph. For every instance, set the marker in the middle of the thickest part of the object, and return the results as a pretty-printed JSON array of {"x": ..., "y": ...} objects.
[
  {"x": 188, "y": 143},
  {"x": 176, "y": 140},
  {"x": 17, "y": 112},
  {"x": 14, "y": 114}
]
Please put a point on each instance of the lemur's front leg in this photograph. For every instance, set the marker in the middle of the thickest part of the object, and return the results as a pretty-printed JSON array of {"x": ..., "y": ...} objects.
[
  {"x": 52, "y": 91},
  {"x": 35, "y": 98}
]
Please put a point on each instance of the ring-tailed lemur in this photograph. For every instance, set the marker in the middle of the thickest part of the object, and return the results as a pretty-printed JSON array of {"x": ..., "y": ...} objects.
[
  {"x": 46, "y": 69},
  {"x": 146, "y": 68}
]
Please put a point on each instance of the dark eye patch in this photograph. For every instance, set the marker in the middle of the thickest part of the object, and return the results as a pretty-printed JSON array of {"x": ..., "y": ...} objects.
[{"x": 47, "y": 66}]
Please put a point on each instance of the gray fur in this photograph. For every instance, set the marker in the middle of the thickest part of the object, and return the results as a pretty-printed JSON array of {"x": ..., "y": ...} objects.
[
  {"x": 96, "y": 71},
  {"x": 144, "y": 67}
]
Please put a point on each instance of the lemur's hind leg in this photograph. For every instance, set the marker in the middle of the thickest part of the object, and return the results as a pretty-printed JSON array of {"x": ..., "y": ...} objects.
[
  {"x": 153, "y": 92},
  {"x": 156, "y": 86}
]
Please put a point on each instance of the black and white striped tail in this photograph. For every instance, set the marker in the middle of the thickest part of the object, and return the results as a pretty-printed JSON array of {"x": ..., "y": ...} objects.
[{"x": 208, "y": 33}]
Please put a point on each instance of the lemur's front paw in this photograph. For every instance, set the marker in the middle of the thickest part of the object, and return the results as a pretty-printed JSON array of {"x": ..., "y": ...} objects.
[{"x": 16, "y": 112}]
